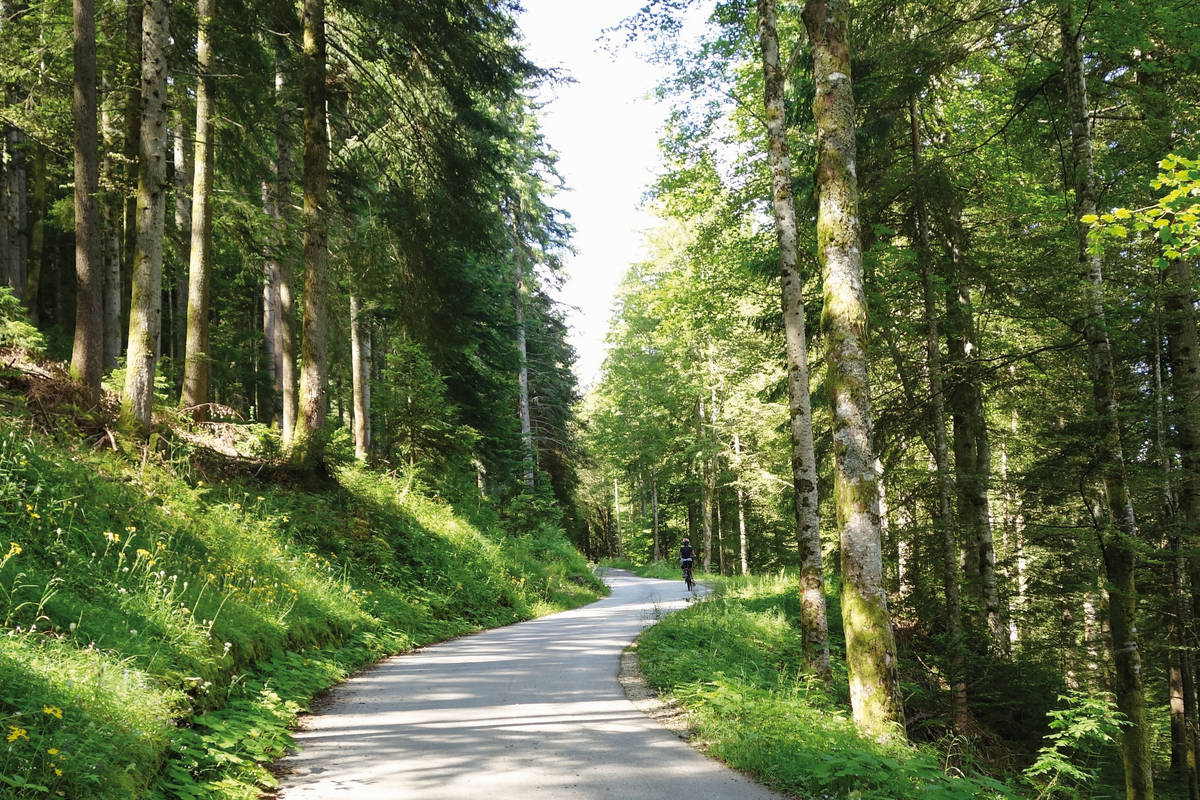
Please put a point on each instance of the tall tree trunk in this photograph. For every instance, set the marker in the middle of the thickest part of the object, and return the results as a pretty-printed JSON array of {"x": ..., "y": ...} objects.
[
  {"x": 743, "y": 540},
  {"x": 523, "y": 361},
  {"x": 360, "y": 366},
  {"x": 145, "y": 310},
  {"x": 270, "y": 299},
  {"x": 16, "y": 178},
  {"x": 133, "y": 121},
  {"x": 1118, "y": 528},
  {"x": 185, "y": 169},
  {"x": 113, "y": 219},
  {"x": 197, "y": 362},
  {"x": 813, "y": 615},
  {"x": 37, "y": 234},
  {"x": 617, "y": 518},
  {"x": 308, "y": 437},
  {"x": 933, "y": 366},
  {"x": 972, "y": 451},
  {"x": 87, "y": 354},
  {"x": 1181, "y": 696},
  {"x": 654, "y": 511},
  {"x": 706, "y": 492},
  {"x": 288, "y": 401},
  {"x": 1183, "y": 351},
  {"x": 870, "y": 644}
]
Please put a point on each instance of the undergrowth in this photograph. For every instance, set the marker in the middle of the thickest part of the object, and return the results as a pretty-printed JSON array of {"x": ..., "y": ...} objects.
[
  {"x": 159, "y": 630},
  {"x": 735, "y": 662}
]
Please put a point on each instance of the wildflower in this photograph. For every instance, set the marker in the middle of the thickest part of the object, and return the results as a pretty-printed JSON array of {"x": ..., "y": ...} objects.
[
  {"x": 53, "y": 711},
  {"x": 143, "y": 553},
  {"x": 58, "y": 772},
  {"x": 14, "y": 549},
  {"x": 112, "y": 537},
  {"x": 15, "y": 733},
  {"x": 53, "y": 751}
]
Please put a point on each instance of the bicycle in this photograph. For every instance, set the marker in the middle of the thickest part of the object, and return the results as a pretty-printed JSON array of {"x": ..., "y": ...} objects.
[{"x": 687, "y": 574}]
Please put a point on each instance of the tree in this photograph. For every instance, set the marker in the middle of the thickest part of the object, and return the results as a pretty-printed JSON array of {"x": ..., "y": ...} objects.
[
  {"x": 870, "y": 645},
  {"x": 307, "y": 440},
  {"x": 1116, "y": 524},
  {"x": 804, "y": 468},
  {"x": 145, "y": 316},
  {"x": 87, "y": 356},
  {"x": 196, "y": 359}
]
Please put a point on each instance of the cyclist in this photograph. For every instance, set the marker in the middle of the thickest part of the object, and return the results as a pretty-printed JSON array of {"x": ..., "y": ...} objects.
[{"x": 687, "y": 557}]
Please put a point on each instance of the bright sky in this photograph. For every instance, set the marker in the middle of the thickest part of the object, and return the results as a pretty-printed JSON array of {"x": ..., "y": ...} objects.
[{"x": 605, "y": 130}]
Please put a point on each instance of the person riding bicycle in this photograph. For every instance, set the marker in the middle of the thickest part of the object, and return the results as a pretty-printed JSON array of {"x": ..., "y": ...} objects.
[{"x": 687, "y": 557}]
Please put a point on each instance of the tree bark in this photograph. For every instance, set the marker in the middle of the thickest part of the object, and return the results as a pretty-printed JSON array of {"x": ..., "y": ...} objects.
[
  {"x": 743, "y": 540},
  {"x": 197, "y": 362},
  {"x": 113, "y": 218},
  {"x": 283, "y": 255},
  {"x": 145, "y": 309},
  {"x": 1117, "y": 525},
  {"x": 972, "y": 451},
  {"x": 272, "y": 339},
  {"x": 523, "y": 369},
  {"x": 654, "y": 512},
  {"x": 133, "y": 121},
  {"x": 933, "y": 367},
  {"x": 360, "y": 366},
  {"x": 706, "y": 493},
  {"x": 309, "y": 434},
  {"x": 87, "y": 353},
  {"x": 37, "y": 235},
  {"x": 16, "y": 179},
  {"x": 870, "y": 644},
  {"x": 185, "y": 169},
  {"x": 813, "y": 614}
]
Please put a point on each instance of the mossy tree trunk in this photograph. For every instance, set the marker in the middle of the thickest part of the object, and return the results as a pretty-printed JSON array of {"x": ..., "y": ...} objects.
[
  {"x": 87, "y": 353},
  {"x": 197, "y": 364},
  {"x": 813, "y": 614},
  {"x": 145, "y": 309},
  {"x": 308, "y": 438},
  {"x": 1116, "y": 522},
  {"x": 870, "y": 644}
]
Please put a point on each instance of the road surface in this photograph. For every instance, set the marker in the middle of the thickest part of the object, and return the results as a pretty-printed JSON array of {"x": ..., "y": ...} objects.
[{"x": 532, "y": 711}]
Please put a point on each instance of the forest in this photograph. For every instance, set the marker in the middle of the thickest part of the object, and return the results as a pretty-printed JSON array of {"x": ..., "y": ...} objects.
[{"x": 915, "y": 327}]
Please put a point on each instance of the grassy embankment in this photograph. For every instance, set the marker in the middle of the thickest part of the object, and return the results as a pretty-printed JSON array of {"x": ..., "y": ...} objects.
[
  {"x": 734, "y": 662},
  {"x": 162, "y": 626}
]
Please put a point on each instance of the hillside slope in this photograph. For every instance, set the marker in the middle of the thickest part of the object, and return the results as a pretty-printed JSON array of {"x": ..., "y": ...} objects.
[{"x": 165, "y": 616}]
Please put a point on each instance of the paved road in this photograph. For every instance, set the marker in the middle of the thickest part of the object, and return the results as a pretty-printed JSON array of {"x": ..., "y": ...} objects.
[{"x": 532, "y": 711}]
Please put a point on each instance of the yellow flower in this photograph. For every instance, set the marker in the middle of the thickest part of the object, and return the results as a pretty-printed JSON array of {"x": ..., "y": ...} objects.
[
  {"x": 15, "y": 733},
  {"x": 142, "y": 553},
  {"x": 58, "y": 772},
  {"x": 53, "y": 751},
  {"x": 14, "y": 549},
  {"x": 112, "y": 537},
  {"x": 53, "y": 711}
]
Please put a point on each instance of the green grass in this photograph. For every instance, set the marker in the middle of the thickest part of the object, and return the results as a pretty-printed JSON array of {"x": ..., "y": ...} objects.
[
  {"x": 158, "y": 634},
  {"x": 734, "y": 661}
]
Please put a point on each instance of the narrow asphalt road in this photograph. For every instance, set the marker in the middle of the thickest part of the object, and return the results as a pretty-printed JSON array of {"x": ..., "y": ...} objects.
[{"x": 532, "y": 711}]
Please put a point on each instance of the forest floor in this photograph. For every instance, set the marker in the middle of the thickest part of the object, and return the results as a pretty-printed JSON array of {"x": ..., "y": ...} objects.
[{"x": 531, "y": 710}]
